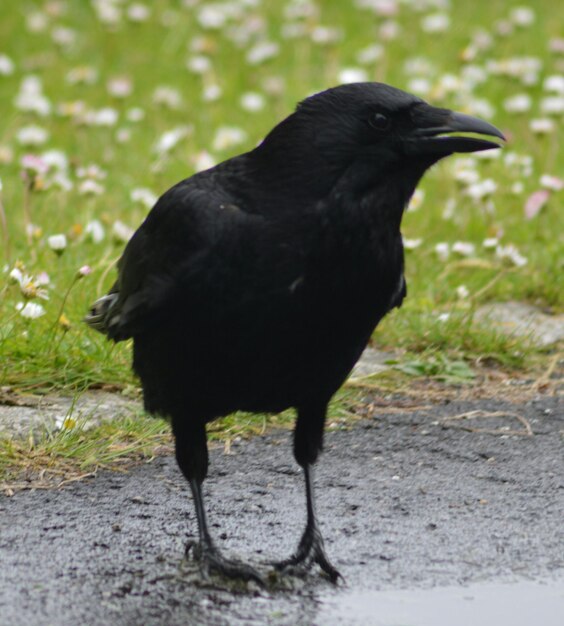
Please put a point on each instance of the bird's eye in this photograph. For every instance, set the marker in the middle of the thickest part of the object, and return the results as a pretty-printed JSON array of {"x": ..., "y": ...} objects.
[{"x": 379, "y": 122}]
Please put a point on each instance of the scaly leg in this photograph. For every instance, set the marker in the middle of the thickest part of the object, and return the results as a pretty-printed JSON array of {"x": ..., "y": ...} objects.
[
  {"x": 192, "y": 458},
  {"x": 308, "y": 442}
]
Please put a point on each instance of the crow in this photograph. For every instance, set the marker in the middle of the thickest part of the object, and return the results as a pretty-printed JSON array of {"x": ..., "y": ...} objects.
[{"x": 256, "y": 285}]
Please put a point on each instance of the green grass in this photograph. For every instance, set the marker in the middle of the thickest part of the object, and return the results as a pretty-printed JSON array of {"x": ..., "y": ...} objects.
[
  {"x": 44, "y": 460},
  {"x": 41, "y": 354}
]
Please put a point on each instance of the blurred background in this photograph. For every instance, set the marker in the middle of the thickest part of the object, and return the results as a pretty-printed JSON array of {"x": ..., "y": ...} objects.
[{"x": 104, "y": 104}]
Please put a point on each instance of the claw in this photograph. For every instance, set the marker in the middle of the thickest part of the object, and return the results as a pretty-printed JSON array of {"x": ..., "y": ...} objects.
[
  {"x": 211, "y": 561},
  {"x": 310, "y": 550}
]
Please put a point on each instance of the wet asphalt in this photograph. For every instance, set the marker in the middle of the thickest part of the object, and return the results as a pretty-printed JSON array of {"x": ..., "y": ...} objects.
[{"x": 406, "y": 501}]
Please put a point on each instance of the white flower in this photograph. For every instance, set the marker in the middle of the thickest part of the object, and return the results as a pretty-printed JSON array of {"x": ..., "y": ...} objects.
[
  {"x": 136, "y": 114},
  {"x": 371, "y": 54},
  {"x": 61, "y": 180},
  {"x": 466, "y": 176},
  {"x": 228, "y": 136},
  {"x": 519, "y": 103},
  {"x": 442, "y": 250},
  {"x": 521, "y": 162},
  {"x": 449, "y": 83},
  {"x": 57, "y": 243},
  {"x": 63, "y": 36},
  {"x": 168, "y": 140},
  {"x": 36, "y": 22},
  {"x": 198, "y": 64},
  {"x": 298, "y": 9},
  {"x": 121, "y": 232},
  {"x": 411, "y": 244},
  {"x": 75, "y": 109},
  {"x": 203, "y": 161},
  {"x": 324, "y": 35},
  {"x": 517, "y": 187},
  {"x": 144, "y": 196},
  {"x": 489, "y": 155},
  {"x": 554, "y": 83},
  {"x": 90, "y": 187},
  {"x": 273, "y": 85},
  {"x": 95, "y": 231},
  {"x": 262, "y": 51},
  {"x": 84, "y": 74},
  {"x": 34, "y": 164},
  {"x": 30, "y": 310},
  {"x": 482, "y": 189},
  {"x": 522, "y": 16},
  {"x": 107, "y": 12},
  {"x": 32, "y": 135},
  {"x": 353, "y": 75},
  {"x": 449, "y": 209},
  {"x": 16, "y": 275},
  {"x": 553, "y": 183},
  {"x": 416, "y": 200},
  {"x": 435, "y": 23},
  {"x": 464, "y": 248},
  {"x": 389, "y": 30},
  {"x": 511, "y": 254},
  {"x": 138, "y": 12},
  {"x": 473, "y": 75},
  {"x": 542, "y": 126},
  {"x": 211, "y": 93},
  {"x": 30, "y": 287},
  {"x": 556, "y": 45},
  {"x": 91, "y": 171},
  {"x": 490, "y": 243},
  {"x": 420, "y": 86},
  {"x": 552, "y": 105},
  {"x": 56, "y": 159},
  {"x": 481, "y": 108},
  {"x": 42, "y": 279},
  {"x": 167, "y": 96},
  {"x": 123, "y": 135},
  {"x": 419, "y": 66},
  {"x": 102, "y": 117},
  {"x": 293, "y": 30},
  {"x": 516, "y": 67},
  {"x": 6, "y": 65},
  {"x": 462, "y": 292},
  {"x": 443, "y": 317},
  {"x": 119, "y": 86},
  {"x": 212, "y": 16},
  {"x": 252, "y": 101}
]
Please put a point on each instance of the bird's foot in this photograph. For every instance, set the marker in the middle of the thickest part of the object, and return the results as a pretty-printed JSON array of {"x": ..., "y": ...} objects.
[
  {"x": 310, "y": 550},
  {"x": 211, "y": 561}
]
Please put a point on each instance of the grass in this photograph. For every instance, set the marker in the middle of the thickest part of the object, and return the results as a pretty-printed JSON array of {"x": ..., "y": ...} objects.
[
  {"x": 58, "y": 40},
  {"x": 46, "y": 460}
]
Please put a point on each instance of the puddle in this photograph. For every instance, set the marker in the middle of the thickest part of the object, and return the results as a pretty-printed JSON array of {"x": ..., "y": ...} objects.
[{"x": 488, "y": 604}]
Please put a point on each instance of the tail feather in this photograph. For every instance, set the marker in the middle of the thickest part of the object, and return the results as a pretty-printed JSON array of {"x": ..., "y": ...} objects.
[{"x": 102, "y": 315}]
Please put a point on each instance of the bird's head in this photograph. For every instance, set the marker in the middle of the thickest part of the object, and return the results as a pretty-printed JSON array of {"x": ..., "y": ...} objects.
[{"x": 377, "y": 128}]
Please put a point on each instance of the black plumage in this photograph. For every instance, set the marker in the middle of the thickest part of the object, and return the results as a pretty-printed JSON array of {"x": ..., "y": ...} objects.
[{"x": 255, "y": 285}]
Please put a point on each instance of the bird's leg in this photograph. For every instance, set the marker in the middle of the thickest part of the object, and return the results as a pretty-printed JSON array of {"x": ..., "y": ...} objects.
[
  {"x": 192, "y": 457},
  {"x": 311, "y": 548},
  {"x": 210, "y": 559},
  {"x": 308, "y": 441}
]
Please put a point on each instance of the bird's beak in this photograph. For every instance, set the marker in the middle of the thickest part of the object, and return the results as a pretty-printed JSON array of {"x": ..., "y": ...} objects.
[{"x": 434, "y": 126}]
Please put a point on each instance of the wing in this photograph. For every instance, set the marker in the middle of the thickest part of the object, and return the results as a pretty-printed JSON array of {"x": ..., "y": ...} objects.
[{"x": 174, "y": 248}]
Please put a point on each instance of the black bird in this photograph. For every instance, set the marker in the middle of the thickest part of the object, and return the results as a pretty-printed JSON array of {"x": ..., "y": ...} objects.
[{"x": 256, "y": 285}]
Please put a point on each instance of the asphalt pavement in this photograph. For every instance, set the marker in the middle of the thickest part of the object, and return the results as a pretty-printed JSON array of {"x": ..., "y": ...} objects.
[{"x": 419, "y": 508}]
